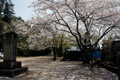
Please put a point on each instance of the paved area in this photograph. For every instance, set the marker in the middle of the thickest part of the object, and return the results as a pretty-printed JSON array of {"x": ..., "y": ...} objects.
[{"x": 43, "y": 68}]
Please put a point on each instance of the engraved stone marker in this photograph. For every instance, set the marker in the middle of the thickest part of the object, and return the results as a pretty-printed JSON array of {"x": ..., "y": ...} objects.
[
  {"x": 9, "y": 67},
  {"x": 10, "y": 47}
]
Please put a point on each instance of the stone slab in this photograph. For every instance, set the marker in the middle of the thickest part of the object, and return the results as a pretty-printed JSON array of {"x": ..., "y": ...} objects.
[{"x": 14, "y": 72}]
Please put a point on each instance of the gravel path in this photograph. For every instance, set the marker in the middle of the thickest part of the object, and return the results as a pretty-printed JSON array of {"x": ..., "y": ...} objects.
[{"x": 43, "y": 68}]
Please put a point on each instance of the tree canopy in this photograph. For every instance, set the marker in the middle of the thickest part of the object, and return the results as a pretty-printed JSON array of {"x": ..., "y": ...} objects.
[{"x": 83, "y": 19}]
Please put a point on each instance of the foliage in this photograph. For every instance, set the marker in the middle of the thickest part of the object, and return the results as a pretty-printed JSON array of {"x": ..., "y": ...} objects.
[
  {"x": 6, "y": 15},
  {"x": 8, "y": 11},
  {"x": 30, "y": 52},
  {"x": 21, "y": 28}
]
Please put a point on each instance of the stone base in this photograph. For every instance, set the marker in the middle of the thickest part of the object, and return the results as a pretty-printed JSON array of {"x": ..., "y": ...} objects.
[
  {"x": 11, "y": 69},
  {"x": 14, "y": 72},
  {"x": 10, "y": 65}
]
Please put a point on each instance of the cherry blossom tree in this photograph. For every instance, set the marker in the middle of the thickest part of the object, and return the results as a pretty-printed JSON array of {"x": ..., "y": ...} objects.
[
  {"x": 84, "y": 19},
  {"x": 21, "y": 28},
  {"x": 17, "y": 26},
  {"x": 44, "y": 35}
]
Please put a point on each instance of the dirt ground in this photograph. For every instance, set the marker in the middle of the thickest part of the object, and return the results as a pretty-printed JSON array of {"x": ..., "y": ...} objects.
[{"x": 43, "y": 68}]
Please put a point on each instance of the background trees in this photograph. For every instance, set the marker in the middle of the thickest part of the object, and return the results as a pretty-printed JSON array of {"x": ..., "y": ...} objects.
[
  {"x": 9, "y": 22},
  {"x": 44, "y": 35},
  {"x": 83, "y": 19},
  {"x": 6, "y": 15}
]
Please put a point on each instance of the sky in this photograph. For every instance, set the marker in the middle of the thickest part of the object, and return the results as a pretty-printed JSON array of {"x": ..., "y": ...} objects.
[{"x": 22, "y": 9}]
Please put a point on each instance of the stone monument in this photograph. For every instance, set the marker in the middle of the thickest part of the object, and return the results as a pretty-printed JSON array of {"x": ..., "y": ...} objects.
[{"x": 10, "y": 67}]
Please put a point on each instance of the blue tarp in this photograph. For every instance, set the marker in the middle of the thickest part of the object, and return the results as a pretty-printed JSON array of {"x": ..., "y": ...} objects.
[{"x": 96, "y": 54}]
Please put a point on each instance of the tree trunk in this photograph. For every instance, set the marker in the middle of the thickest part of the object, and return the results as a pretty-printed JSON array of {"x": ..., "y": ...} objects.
[
  {"x": 54, "y": 53},
  {"x": 85, "y": 56},
  {"x": 60, "y": 52}
]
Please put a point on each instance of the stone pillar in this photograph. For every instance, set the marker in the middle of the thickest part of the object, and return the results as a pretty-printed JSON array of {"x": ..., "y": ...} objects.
[
  {"x": 10, "y": 67},
  {"x": 10, "y": 47}
]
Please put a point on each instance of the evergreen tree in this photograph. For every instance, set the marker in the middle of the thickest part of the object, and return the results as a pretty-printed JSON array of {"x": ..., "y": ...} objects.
[
  {"x": 6, "y": 15},
  {"x": 8, "y": 11},
  {"x": 1, "y": 24}
]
